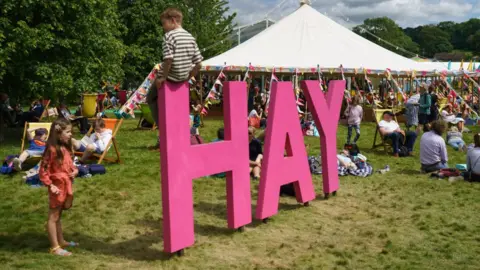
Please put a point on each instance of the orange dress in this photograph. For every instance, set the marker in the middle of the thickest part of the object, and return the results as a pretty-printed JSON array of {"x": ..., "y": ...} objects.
[{"x": 52, "y": 172}]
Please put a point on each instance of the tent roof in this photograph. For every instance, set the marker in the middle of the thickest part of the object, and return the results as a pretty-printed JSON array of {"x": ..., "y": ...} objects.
[{"x": 307, "y": 39}]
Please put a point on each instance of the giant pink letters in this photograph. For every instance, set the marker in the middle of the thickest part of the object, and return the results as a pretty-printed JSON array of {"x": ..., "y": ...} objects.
[
  {"x": 181, "y": 162},
  {"x": 326, "y": 113},
  {"x": 283, "y": 133}
]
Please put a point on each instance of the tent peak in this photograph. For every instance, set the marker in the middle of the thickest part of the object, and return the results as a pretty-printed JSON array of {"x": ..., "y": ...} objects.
[{"x": 305, "y": 2}]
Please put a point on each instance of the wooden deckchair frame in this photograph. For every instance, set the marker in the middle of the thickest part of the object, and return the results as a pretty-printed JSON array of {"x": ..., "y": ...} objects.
[
  {"x": 34, "y": 124},
  {"x": 383, "y": 142},
  {"x": 103, "y": 156},
  {"x": 45, "y": 104}
]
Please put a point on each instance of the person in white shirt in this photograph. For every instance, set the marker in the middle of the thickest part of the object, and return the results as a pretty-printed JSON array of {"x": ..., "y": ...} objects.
[
  {"x": 391, "y": 130},
  {"x": 100, "y": 139},
  {"x": 449, "y": 116}
]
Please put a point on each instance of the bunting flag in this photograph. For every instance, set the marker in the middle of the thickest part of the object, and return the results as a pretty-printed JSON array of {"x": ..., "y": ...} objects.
[
  {"x": 470, "y": 66},
  {"x": 343, "y": 74},
  {"x": 461, "y": 66},
  {"x": 247, "y": 74},
  {"x": 221, "y": 76},
  {"x": 218, "y": 82},
  {"x": 212, "y": 94},
  {"x": 320, "y": 80},
  {"x": 139, "y": 96}
]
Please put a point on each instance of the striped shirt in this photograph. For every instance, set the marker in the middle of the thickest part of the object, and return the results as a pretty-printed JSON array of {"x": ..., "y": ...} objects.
[{"x": 180, "y": 46}]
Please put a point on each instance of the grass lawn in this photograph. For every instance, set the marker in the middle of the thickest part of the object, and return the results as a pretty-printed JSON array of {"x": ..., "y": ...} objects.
[{"x": 400, "y": 220}]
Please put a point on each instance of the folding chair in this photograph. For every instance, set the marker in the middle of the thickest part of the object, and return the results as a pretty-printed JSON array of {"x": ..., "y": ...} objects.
[
  {"x": 32, "y": 161},
  {"x": 28, "y": 126},
  {"x": 378, "y": 115},
  {"x": 147, "y": 116},
  {"x": 45, "y": 104},
  {"x": 114, "y": 125}
]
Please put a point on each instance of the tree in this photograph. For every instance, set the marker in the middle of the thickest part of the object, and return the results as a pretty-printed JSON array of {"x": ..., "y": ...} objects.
[
  {"x": 387, "y": 30},
  {"x": 474, "y": 42},
  {"x": 55, "y": 48},
  {"x": 143, "y": 35},
  {"x": 433, "y": 40},
  {"x": 206, "y": 20}
]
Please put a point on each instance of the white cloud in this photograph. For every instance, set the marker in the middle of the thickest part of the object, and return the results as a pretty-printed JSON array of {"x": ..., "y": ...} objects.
[{"x": 353, "y": 12}]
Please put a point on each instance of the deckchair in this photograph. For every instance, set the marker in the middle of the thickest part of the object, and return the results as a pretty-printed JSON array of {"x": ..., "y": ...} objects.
[
  {"x": 32, "y": 161},
  {"x": 114, "y": 125},
  {"x": 33, "y": 126},
  {"x": 147, "y": 116},
  {"x": 378, "y": 115},
  {"x": 45, "y": 104}
]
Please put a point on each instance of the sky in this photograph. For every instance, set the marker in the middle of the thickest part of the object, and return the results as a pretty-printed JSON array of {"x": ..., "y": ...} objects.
[{"x": 407, "y": 13}]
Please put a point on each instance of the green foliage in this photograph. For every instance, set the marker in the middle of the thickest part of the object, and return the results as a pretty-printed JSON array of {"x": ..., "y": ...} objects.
[
  {"x": 56, "y": 48},
  {"x": 60, "y": 48},
  {"x": 433, "y": 40},
  {"x": 386, "y": 29}
]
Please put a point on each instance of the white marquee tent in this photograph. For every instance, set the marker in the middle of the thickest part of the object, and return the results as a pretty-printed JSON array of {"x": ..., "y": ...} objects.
[{"x": 307, "y": 39}]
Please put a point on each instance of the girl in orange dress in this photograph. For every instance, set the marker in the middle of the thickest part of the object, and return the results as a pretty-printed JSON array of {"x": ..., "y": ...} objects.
[{"x": 57, "y": 172}]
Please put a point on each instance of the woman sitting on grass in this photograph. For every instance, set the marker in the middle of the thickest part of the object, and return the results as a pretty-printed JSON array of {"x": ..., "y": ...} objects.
[{"x": 255, "y": 153}]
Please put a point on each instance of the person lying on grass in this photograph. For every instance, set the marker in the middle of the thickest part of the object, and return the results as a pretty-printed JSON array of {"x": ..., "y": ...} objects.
[
  {"x": 97, "y": 142},
  {"x": 57, "y": 172},
  {"x": 36, "y": 148},
  {"x": 255, "y": 153}
]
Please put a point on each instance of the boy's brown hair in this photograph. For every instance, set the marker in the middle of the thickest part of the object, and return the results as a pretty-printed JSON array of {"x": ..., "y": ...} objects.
[
  {"x": 172, "y": 13},
  {"x": 99, "y": 123}
]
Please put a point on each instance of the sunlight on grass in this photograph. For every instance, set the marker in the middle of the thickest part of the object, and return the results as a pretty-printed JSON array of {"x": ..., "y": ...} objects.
[{"x": 398, "y": 220}]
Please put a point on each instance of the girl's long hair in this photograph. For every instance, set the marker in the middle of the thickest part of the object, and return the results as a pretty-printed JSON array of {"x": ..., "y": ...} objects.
[{"x": 58, "y": 126}]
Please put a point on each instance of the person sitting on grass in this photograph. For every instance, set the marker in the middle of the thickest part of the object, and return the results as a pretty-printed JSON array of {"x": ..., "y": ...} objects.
[
  {"x": 98, "y": 141},
  {"x": 255, "y": 153},
  {"x": 390, "y": 129},
  {"x": 433, "y": 150},
  {"x": 454, "y": 139},
  {"x": 36, "y": 148},
  {"x": 473, "y": 161},
  {"x": 449, "y": 116}
]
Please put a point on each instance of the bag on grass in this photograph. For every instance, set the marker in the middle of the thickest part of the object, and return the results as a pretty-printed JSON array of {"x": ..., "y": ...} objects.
[
  {"x": 403, "y": 151},
  {"x": 97, "y": 169},
  {"x": 450, "y": 172},
  {"x": 315, "y": 165},
  {"x": 7, "y": 166}
]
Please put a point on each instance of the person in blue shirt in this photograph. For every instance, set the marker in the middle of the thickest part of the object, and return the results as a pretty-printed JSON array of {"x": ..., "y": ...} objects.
[{"x": 36, "y": 148}]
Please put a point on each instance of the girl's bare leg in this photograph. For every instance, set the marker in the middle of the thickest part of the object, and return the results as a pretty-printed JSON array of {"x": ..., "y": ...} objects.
[
  {"x": 53, "y": 219},
  {"x": 256, "y": 172},
  {"x": 60, "y": 238}
]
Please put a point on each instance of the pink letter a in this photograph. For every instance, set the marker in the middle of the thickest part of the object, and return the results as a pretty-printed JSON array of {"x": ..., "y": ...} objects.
[
  {"x": 181, "y": 162},
  {"x": 326, "y": 112},
  {"x": 283, "y": 131}
]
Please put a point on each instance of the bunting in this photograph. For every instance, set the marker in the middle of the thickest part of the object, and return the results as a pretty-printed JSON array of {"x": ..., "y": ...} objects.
[{"x": 212, "y": 94}]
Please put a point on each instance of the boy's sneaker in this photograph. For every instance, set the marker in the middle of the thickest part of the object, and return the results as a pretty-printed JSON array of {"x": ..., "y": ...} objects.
[{"x": 17, "y": 165}]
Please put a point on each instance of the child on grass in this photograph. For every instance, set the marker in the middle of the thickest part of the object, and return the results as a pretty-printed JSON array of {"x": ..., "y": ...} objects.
[
  {"x": 57, "y": 172},
  {"x": 181, "y": 57},
  {"x": 454, "y": 139},
  {"x": 36, "y": 148},
  {"x": 354, "y": 114}
]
